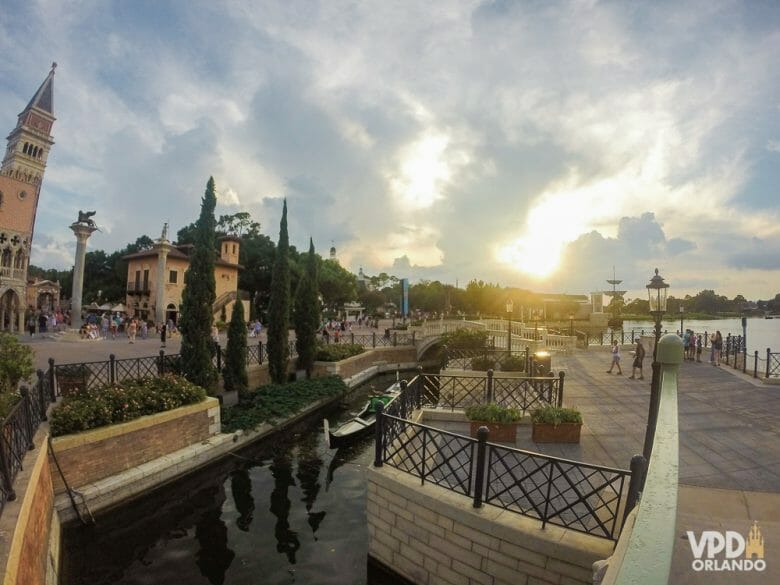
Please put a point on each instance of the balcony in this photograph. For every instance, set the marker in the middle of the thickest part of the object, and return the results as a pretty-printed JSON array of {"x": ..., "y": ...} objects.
[{"x": 138, "y": 288}]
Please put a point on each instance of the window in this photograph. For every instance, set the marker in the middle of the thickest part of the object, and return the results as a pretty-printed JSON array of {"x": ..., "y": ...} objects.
[
  {"x": 146, "y": 279},
  {"x": 234, "y": 248},
  {"x": 173, "y": 277}
]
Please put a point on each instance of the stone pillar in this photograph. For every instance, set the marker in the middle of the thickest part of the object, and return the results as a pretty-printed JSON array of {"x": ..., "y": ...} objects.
[
  {"x": 163, "y": 246},
  {"x": 82, "y": 231}
]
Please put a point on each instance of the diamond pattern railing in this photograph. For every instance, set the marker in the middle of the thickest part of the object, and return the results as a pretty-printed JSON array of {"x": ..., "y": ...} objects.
[
  {"x": 572, "y": 494},
  {"x": 137, "y": 368},
  {"x": 579, "y": 496}
]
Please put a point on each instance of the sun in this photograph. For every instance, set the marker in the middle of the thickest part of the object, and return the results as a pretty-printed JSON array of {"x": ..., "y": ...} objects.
[{"x": 533, "y": 254}]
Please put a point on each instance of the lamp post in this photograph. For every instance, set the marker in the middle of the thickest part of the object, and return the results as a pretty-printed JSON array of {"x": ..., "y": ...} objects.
[
  {"x": 682, "y": 331},
  {"x": 656, "y": 293},
  {"x": 509, "y": 307}
]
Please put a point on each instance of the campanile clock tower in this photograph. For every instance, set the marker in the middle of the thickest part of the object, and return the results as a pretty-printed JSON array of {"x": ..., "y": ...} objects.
[{"x": 21, "y": 175}]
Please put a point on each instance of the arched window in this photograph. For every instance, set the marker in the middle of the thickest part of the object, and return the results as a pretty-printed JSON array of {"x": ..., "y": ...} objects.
[
  {"x": 6, "y": 260},
  {"x": 26, "y": 147}
]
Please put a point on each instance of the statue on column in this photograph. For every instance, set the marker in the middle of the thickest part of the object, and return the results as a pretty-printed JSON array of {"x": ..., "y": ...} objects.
[{"x": 85, "y": 218}]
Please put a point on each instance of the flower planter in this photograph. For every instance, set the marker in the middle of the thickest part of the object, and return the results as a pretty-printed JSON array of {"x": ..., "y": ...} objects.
[
  {"x": 499, "y": 432},
  {"x": 561, "y": 433}
]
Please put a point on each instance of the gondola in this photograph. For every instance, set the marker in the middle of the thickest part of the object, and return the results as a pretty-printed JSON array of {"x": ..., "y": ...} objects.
[{"x": 363, "y": 422}]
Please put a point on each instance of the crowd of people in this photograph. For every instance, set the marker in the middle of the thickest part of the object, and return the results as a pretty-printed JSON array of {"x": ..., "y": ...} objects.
[{"x": 693, "y": 346}]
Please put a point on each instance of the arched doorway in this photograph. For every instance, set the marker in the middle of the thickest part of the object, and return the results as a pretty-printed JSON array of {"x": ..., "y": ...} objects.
[
  {"x": 171, "y": 313},
  {"x": 9, "y": 311}
]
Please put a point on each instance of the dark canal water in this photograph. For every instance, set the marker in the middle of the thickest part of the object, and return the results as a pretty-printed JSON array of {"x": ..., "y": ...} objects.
[{"x": 288, "y": 510}]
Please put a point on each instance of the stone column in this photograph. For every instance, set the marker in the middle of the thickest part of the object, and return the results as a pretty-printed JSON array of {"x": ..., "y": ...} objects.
[
  {"x": 163, "y": 246},
  {"x": 82, "y": 232}
]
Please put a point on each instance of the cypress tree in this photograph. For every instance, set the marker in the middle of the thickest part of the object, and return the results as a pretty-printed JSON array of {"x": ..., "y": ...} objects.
[
  {"x": 279, "y": 307},
  {"x": 307, "y": 314},
  {"x": 234, "y": 373},
  {"x": 198, "y": 298}
]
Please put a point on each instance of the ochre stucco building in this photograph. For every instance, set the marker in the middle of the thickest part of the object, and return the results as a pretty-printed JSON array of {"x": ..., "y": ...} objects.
[
  {"x": 166, "y": 263},
  {"x": 21, "y": 175}
]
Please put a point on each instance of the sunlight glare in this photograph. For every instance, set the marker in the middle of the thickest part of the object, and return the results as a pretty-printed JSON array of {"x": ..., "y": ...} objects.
[{"x": 422, "y": 173}]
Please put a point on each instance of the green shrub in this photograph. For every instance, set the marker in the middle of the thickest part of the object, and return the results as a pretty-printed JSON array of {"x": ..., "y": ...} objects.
[
  {"x": 465, "y": 339},
  {"x": 555, "y": 415},
  {"x": 275, "y": 401},
  {"x": 512, "y": 363},
  {"x": 16, "y": 362},
  {"x": 338, "y": 351},
  {"x": 482, "y": 363},
  {"x": 7, "y": 402},
  {"x": 121, "y": 402},
  {"x": 493, "y": 413}
]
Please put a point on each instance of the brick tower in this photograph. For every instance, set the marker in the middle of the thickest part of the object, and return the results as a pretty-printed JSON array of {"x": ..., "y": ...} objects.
[{"x": 21, "y": 175}]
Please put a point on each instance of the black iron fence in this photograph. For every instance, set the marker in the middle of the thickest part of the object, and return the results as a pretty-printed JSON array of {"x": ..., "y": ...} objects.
[
  {"x": 371, "y": 340},
  {"x": 18, "y": 430},
  {"x": 579, "y": 496},
  {"x": 522, "y": 393}
]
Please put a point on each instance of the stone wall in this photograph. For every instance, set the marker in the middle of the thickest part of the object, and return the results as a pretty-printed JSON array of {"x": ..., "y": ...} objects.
[
  {"x": 93, "y": 455},
  {"x": 28, "y": 525},
  {"x": 403, "y": 355},
  {"x": 431, "y": 535}
]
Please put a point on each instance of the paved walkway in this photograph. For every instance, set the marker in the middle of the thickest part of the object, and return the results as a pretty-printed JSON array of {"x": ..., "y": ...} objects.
[{"x": 729, "y": 447}]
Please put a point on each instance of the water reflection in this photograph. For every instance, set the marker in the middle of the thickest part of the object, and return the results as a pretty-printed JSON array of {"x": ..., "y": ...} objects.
[
  {"x": 287, "y": 511},
  {"x": 241, "y": 489},
  {"x": 309, "y": 468}
]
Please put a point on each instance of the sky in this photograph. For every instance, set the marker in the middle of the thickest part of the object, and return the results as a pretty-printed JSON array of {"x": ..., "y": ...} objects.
[{"x": 530, "y": 144}]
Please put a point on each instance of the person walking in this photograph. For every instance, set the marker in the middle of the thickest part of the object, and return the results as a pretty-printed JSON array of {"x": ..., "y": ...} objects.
[
  {"x": 163, "y": 328},
  {"x": 639, "y": 355},
  {"x": 615, "y": 359},
  {"x": 132, "y": 329},
  {"x": 717, "y": 346}
]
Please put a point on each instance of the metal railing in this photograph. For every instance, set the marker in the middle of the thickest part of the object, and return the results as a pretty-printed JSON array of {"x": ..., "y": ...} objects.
[
  {"x": 372, "y": 340},
  {"x": 579, "y": 496},
  {"x": 18, "y": 430}
]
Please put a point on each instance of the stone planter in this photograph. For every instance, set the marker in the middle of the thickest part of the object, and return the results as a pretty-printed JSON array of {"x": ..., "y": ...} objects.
[
  {"x": 499, "y": 432},
  {"x": 562, "y": 433}
]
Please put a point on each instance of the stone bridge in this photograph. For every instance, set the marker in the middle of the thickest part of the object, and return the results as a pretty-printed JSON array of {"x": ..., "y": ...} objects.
[{"x": 535, "y": 339}]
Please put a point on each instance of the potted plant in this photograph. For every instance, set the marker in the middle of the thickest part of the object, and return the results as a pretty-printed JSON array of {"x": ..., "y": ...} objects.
[
  {"x": 501, "y": 421},
  {"x": 554, "y": 424}
]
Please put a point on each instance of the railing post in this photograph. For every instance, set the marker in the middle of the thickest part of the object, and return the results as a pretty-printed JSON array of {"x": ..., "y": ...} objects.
[
  {"x": 706, "y": 339},
  {"x": 395, "y": 338},
  {"x": 161, "y": 364},
  {"x": 755, "y": 365},
  {"x": 352, "y": 338},
  {"x": 561, "y": 376},
  {"x": 638, "y": 470},
  {"x": 744, "y": 357},
  {"x": 41, "y": 397},
  {"x": 28, "y": 422},
  {"x": 373, "y": 339},
  {"x": 418, "y": 390},
  {"x": 379, "y": 434},
  {"x": 52, "y": 389},
  {"x": 111, "y": 368},
  {"x": 260, "y": 353},
  {"x": 768, "y": 357},
  {"x": 8, "y": 484},
  {"x": 479, "y": 477},
  {"x": 489, "y": 387},
  {"x": 728, "y": 346}
]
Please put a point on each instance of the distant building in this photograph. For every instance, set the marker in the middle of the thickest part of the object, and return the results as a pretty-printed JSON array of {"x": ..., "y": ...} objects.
[
  {"x": 21, "y": 176},
  {"x": 43, "y": 295},
  {"x": 155, "y": 280}
]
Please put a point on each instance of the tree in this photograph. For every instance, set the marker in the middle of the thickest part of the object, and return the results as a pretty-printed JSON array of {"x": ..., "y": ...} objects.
[
  {"x": 279, "y": 307},
  {"x": 307, "y": 313},
  {"x": 198, "y": 298},
  {"x": 234, "y": 373}
]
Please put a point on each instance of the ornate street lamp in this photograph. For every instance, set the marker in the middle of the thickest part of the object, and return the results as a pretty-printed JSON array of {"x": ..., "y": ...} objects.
[
  {"x": 509, "y": 307},
  {"x": 656, "y": 292}
]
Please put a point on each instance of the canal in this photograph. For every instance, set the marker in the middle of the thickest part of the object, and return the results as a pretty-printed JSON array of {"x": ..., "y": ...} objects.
[{"x": 286, "y": 510}]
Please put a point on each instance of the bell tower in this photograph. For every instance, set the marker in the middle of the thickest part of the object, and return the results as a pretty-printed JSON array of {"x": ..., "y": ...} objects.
[
  {"x": 29, "y": 143},
  {"x": 21, "y": 174}
]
